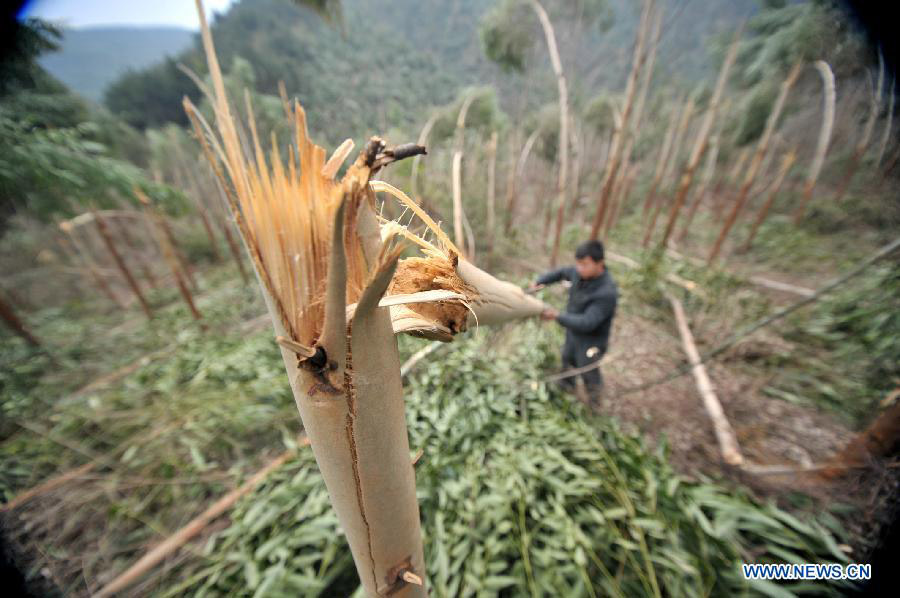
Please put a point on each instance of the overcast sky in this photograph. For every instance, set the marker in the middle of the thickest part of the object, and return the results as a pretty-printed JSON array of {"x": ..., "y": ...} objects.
[{"x": 86, "y": 13}]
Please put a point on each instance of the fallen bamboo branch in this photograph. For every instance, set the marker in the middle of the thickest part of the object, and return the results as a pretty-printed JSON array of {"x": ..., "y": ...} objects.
[
  {"x": 418, "y": 356},
  {"x": 194, "y": 527},
  {"x": 728, "y": 445},
  {"x": 47, "y": 486}
]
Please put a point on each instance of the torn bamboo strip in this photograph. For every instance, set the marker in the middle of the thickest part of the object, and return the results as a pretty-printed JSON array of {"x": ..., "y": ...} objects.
[
  {"x": 728, "y": 445},
  {"x": 168, "y": 546}
]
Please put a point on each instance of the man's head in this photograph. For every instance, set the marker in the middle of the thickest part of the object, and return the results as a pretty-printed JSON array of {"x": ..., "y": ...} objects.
[{"x": 589, "y": 259}]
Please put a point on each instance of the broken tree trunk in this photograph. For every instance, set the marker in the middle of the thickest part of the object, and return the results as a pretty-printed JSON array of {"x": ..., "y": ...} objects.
[
  {"x": 728, "y": 445},
  {"x": 758, "y": 156},
  {"x": 829, "y": 97}
]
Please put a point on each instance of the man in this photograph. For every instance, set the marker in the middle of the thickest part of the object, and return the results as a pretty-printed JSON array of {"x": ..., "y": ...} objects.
[{"x": 588, "y": 316}]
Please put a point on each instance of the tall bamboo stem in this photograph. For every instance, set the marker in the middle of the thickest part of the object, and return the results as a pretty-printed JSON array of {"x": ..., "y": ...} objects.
[
  {"x": 16, "y": 325},
  {"x": 614, "y": 159},
  {"x": 829, "y": 100},
  {"x": 562, "y": 150},
  {"x": 702, "y": 140},
  {"x": 786, "y": 164},
  {"x": 120, "y": 263},
  {"x": 491, "y": 190},
  {"x": 708, "y": 172},
  {"x": 757, "y": 160},
  {"x": 863, "y": 144}
]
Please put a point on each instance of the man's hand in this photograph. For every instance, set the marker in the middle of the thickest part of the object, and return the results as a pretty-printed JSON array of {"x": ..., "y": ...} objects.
[
  {"x": 549, "y": 314},
  {"x": 534, "y": 288}
]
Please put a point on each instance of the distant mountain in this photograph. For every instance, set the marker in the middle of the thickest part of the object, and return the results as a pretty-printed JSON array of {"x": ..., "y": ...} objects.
[{"x": 90, "y": 58}]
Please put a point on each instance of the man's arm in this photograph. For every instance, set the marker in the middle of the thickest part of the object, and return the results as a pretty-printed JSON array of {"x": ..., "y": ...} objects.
[
  {"x": 593, "y": 316},
  {"x": 552, "y": 276}
]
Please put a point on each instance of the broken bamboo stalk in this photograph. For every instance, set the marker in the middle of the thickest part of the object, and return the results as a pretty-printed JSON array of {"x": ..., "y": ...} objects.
[
  {"x": 886, "y": 133},
  {"x": 85, "y": 257},
  {"x": 786, "y": 164},
  {"x": 702, "y": 140},
  {"x": 671, "y": 158},
  {"x": 705, "y": 180},
  {"x": 728, "y": 444},
  {"x": 168, "y": 252},
  {"x": 120, "y": 263},
  {"x": 761, "y": 148},
  {"x": 613, "y": 162},
  {"x": 491, "y": 191},
  {"x": 16, "y": 325},
  {"x": 863, "y": 144},
  {"x": 562, "y": 150},
  {"x": 829, "y": 100}
]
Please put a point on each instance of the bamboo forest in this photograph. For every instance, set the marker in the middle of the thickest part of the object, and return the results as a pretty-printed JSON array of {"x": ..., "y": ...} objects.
[{"x": 368, "y": 298}]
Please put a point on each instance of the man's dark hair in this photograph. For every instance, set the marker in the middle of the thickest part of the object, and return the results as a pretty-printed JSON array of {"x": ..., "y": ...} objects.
[{"x": 591, "y": 249}]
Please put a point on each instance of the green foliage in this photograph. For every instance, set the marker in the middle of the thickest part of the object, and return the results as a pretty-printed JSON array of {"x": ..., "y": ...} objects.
[
  {"x": 519, "y": 494},
  {"x": 484, "y": 114},
  {"x": 850, "y": 342},
  {"x": 151, "y": 97},
  {"x": 757, "y": 112},
  {"x": 507, "y": 34},
  {"x": 62, "y": 172},
  {"x": 599, "y": 114}
]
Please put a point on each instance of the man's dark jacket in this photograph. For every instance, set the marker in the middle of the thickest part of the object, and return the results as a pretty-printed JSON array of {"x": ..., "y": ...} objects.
[{"x": 589, "y": 312}]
